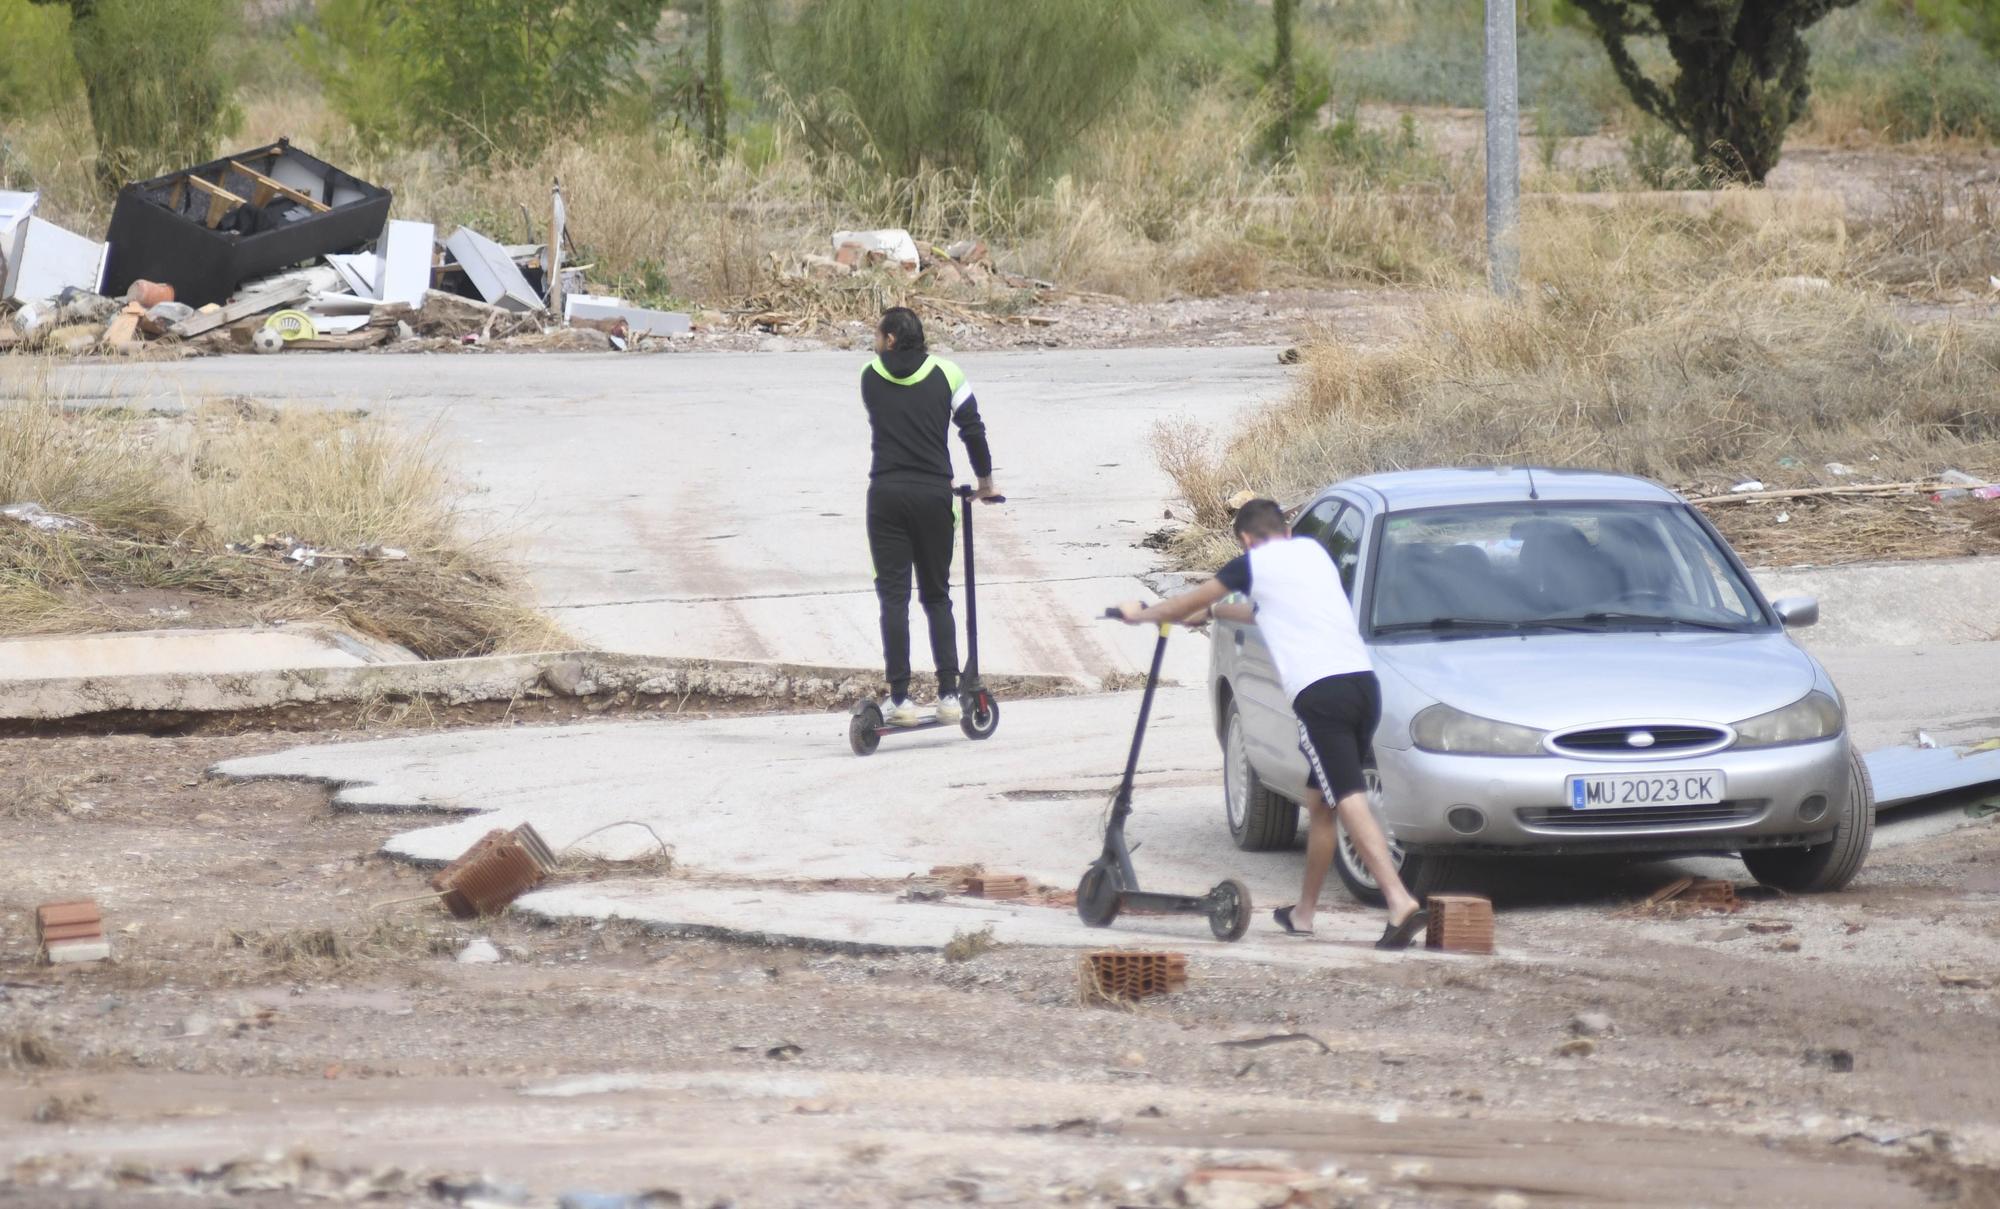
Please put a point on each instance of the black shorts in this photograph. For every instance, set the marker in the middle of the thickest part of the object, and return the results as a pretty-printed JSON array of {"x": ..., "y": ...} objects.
[{"x": 1337, "y": 719}]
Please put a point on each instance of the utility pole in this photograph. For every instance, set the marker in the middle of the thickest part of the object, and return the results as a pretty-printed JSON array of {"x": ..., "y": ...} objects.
[{"x": 1503, "y": 152}]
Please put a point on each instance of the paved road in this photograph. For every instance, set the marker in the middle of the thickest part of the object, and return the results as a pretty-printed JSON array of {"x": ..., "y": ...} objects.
[{"x": 710, "y": 503}]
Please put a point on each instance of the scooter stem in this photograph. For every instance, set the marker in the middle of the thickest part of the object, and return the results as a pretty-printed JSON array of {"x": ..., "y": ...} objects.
[{"x": 971, "y": 593}]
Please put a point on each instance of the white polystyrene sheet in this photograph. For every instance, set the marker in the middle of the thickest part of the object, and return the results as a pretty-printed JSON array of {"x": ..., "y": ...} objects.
[
  {"x": 1905, "y": 774},
  {"x": 492, "y": 271},
  {"x": 403, "y": 269},
  {"x": 46, "y": 260}
]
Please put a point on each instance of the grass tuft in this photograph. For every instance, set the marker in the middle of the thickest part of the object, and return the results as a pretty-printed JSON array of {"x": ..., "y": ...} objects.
[
  {"x": 964, "y": 946},
  {"x": 161, "y": 498}
]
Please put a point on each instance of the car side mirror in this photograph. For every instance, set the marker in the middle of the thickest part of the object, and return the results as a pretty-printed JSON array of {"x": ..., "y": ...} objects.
[{"x": 1797, "y": 612}]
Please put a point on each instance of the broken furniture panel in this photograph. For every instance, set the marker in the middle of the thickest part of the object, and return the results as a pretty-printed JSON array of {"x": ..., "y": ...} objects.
[
  {"x": 43, "y": 260},
  {"x": 639, "y": 320},
  {"x": 207, "y": 230},
  {"x": 403, "y": 262},
  {"x": 492, "y": 271},
  {"x": 1906, "y": 774},
  {"x": 359, "y": 271}
]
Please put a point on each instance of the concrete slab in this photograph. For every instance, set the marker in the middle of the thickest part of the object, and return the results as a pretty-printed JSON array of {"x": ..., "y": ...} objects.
[
  {"x": 1939, "y": 601},
  {"x": 187, "y": 652},
  {"x": 877, "y": 923},
  {"x": 783, "y": 797}
]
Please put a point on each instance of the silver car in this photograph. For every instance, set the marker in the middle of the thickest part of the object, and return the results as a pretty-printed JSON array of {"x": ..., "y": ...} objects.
[{"x": 1571, "y": 663}]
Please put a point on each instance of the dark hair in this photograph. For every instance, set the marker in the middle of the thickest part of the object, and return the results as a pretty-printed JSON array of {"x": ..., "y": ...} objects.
[
  {"x": 901, "y": 324},
  {"x": 1260, "y": 518}
]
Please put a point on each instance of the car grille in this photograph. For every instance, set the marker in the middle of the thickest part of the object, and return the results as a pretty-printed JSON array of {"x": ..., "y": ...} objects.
[
  {"x": 1561, "y": 818},
  {"x": 1616, "y": 740}
]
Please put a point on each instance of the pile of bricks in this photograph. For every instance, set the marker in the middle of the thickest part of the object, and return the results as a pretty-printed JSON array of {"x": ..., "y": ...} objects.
[
  {"x": 1125, "y": 975},
  {"x": 72, "y": 931},
  {"x": 1460, "y": 923},
  {"x": 498, "y": 869}
]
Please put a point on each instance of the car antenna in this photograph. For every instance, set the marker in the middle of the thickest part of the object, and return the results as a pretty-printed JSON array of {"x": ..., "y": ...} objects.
[{"x": 1532, "y": 493}]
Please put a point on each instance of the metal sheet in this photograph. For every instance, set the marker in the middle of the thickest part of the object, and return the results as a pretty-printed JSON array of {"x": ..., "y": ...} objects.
[
  {"x": 492, "y": 271},
  {"x": 1905, "y": 774}
]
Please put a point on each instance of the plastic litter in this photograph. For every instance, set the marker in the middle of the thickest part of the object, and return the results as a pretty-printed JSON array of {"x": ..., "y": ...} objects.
[
  {"x": 37, "y": 517},
  {"x": 1747, "y": 485}
]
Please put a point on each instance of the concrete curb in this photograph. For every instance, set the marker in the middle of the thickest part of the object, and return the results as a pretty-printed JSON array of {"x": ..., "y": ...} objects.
[{"x": 467, "y": 681}]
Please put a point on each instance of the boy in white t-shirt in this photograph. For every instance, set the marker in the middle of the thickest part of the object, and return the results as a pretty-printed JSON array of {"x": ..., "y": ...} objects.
[{"x": 1298, "y": 604}]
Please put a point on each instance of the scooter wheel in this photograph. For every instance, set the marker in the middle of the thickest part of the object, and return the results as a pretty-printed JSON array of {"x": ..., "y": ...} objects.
[
  {"x": 1229, "y": 910},
  {"x": 1097, "y": 896},
  {"x": 864, "y": 732},
  {"x": 981, "y": 717}
]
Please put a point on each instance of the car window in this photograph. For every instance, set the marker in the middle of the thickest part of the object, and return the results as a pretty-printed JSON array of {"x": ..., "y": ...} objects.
[
  {"x": 1519, "y": 563},
  {"x": 1343, "y": 540},
  {"x": 1313, "y": 521}
]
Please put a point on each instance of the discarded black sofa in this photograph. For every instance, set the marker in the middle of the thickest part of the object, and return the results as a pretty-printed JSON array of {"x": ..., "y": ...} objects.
[{"x": 208, "y": 229}]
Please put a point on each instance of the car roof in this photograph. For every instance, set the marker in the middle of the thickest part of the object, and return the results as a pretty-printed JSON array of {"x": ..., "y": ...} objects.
[{"x": 1405, "y": 490}]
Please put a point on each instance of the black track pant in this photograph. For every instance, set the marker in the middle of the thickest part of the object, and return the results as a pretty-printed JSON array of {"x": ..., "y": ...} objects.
[{"x": 912, "y": 526}]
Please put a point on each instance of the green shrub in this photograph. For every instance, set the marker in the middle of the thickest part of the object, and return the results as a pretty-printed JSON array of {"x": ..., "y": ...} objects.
[
  {"x": 1956, "y": 92},
  {"x": 37, "y": 72},
  {"x": 1000, "y": 93},
  {"x": 490, "y": 77}
]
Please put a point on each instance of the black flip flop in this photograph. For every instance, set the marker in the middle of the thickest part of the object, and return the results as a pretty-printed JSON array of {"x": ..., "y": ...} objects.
[
  {"x": 1398, "y": 936},
  {"x": 1284, "y": 917}
]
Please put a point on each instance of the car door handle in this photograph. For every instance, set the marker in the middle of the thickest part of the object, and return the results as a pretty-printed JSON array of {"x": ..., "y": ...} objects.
[{"x": 1238, "y": 636}]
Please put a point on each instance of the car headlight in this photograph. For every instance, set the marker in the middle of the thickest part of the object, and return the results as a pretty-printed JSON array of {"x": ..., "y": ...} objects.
[
  {"x": 1813, "y": 716},
  {"x": 1444, "y": 729}
]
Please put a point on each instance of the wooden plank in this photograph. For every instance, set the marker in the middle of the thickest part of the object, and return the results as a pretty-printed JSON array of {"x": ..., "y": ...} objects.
[
  {"x": 282, "y": 190},
  {"x": 255, "y": 304},
  {"x": 219, "y": 198}
]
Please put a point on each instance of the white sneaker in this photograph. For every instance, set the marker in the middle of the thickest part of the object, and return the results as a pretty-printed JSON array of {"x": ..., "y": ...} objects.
[
  {"x": 948, "y": 710},
  {"x": 902, "y": 713}
]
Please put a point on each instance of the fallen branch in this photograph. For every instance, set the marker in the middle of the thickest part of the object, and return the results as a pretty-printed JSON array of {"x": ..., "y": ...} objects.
[{"x": 1794, "y": 493}]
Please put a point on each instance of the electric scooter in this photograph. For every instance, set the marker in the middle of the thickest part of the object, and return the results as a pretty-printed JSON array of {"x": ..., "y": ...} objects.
[
  {"x": 981, "y": 716},
  {"x": 1110, "y": 884}
]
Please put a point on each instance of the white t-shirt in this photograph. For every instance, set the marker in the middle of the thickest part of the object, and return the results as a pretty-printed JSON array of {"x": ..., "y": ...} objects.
[{"x": 1302, "y": 611}]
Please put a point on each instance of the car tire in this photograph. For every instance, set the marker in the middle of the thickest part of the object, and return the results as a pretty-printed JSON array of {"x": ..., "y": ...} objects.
[
  {"x": 1347, "y": 859},
  {"x": 1831, "y": 865},
  {"x": 1259, "y": 820}
]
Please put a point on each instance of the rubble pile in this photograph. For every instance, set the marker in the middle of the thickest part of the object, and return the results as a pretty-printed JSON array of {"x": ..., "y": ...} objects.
[{"x": 273, "y": 250}]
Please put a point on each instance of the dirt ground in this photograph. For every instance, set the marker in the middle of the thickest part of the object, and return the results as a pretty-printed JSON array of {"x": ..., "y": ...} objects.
[{"x": 276, "y": 1026}]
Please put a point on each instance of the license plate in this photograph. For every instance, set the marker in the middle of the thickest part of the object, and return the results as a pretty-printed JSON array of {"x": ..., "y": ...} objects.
[{"x": 1621, "y": 789}]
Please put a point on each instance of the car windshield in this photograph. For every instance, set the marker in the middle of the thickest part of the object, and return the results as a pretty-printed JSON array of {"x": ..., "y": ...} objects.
[{"x": 1519, "y": 567}]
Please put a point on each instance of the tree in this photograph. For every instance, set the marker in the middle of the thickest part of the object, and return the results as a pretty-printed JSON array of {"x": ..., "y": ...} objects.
[
  {"x": 152, "y": 73},
  {"x": 1742, "y": 77},
  {"x": 493, "y": 77},
  {"x": 714, "y": 89}
]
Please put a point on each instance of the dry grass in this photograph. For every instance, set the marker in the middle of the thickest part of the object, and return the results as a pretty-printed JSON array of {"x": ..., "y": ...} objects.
[
  {"x": 1676, "y": 346},
  {"x": 24, "y": 1049},
  {"x": 310, "y": 949},
  {"x": 162, "y": 498}
]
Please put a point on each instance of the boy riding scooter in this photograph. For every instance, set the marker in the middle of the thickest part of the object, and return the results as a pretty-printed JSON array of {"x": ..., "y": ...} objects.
[{"x": 1297, "y": 602}]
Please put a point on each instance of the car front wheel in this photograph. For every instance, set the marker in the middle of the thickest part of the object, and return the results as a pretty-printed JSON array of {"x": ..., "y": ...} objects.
[
  {"x": 1259, "y": 820},
  {"x": 1833, "y": 864}
]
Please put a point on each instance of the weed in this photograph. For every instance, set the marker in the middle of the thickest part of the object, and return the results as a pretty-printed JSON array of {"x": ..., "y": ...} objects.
[
  {"x": 316, "y": 948},
  {"x": 964, "y": 946},
  {"x": 66, "y": 1110}
]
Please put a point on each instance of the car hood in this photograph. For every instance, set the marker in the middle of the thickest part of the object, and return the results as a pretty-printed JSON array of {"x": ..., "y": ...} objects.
[{"x": 1554, "y": 681}]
